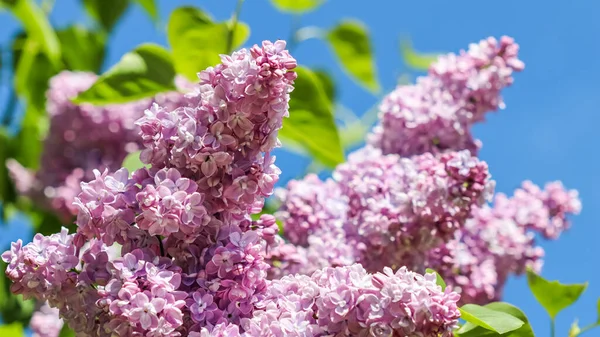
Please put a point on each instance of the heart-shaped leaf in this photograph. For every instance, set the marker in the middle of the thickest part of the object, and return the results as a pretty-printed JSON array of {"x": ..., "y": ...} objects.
[
  {"x": 143, "y": 72},
  {"x": 552, "y": 295}
]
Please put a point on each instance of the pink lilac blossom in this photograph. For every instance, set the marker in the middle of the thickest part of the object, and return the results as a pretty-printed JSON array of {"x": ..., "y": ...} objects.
[
  {"x": 347, "y": 301},
  {"x": 435, "y": 115},
  {"x": 392, "y": 210},
  {"x": 45, "y": 322},
  {"x": 191, "y": 256},
  {"x": 81, "y": 138},
  {"x": 499, "y": 240}
]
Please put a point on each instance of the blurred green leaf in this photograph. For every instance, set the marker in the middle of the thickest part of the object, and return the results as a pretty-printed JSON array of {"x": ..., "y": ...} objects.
[
  {"x": 414, "y": 59},
  {"x": 297, "y": 6},
  {"x": 32, "y": 73},
  {"x": 311, "y": 123},
  {"x": 327, "y": 82},
  {"x": 132, "y": 162},
  {"x": 7, "y": 193},
  {"x": 27, "y": 148},
  {"x": 552, "y": 295},
  {"x": 150, "y": 7},
  {"x": 37, "y": 26},
  {"x": 143, "y": 72},
  {"x": 489, "y": 319},
  {"x": 106, "y": 12},
  {"x": 11, "y": 330},
  {"x": 439, "y": 280},
  {"x": 14, "y": 308},
  {"x": 82, "y": 49},
  {"x": 66, "y": 332},
  {"x": 598, "y": 311},
  {"x": 351, "y": 43},
  {"x": 197, "y": 41},
  {"x": 472, "y": 330}
]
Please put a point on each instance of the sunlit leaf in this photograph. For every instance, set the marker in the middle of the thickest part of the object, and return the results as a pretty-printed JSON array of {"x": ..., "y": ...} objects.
[
  {"x": 552, "y": 295},
  {"x": 106, "y": 12},
  {"x": 82, "y": 49},
  {"x": 351, "y": 43},
  {"x": 489, "y": 319},
  {"x": 37, "y": 26},
  {"x": 297, "y": 6},
  {"x": 472, "y": 330},
  {"x": 150, "y": 7},
  {"x": 197, "y": 41},
  {"x": 311, "y": 123},
  {"x": 143, "y": 72},
  {"x": 415, "y": 59}
]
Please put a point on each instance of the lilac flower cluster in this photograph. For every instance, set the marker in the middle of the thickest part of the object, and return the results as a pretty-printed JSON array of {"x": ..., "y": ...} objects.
[
  {"x": 415, "y": 195},
  {"x": 499, "y": 240},
  {"x": 347, "y": 301},
  {"x": 171, "y": 250},
  {"x": 380, "y": 206},
  {"x": 436, "y": 114},
  {"x": 81, "y": 138}
]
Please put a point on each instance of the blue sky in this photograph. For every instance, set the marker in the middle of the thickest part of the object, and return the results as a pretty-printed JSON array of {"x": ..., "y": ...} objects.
[{"x": 545, "y": 133}]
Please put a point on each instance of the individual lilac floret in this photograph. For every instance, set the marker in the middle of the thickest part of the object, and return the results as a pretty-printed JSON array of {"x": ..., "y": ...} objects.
[
  {"x": 45, "y": 322},
  {"x": 399, "y": 208},
  {"x": 499, "y": 241},
  {"x": 436, "y": 114},
  {"x": 81, "y": 138}
]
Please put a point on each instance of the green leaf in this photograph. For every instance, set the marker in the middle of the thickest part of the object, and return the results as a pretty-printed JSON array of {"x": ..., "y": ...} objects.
[
  {"x": 106, "y": 12},
  {"x": 414, "y": 59},
  {"x": 552, "y": 295},
  {"x": 37, "y": 26},
  {"x": 11, "y": 330},
  {"x": 32, "y": 73},
  {"x": 297, "y": 6},
  {"x": 143, "y": 72},
  {"x": 7, "y": 192},
  {"x": 197, "y": 41},
  {"x": 328, "y": 84},
  {"x": 472, "y": 330},
  {"x": 66, "y": 332},
  {"x": 598, "y": 310},
  {"x": 351, "y": 43},
  {"x": 82, "y": 49},
  {"x": 439, "y": 280},
  {"x": 150, "y": 7},
  {"x": 132, "y": 162},
  {"x": 489, "y": 319},
  {"x": 311, "y": 123}
]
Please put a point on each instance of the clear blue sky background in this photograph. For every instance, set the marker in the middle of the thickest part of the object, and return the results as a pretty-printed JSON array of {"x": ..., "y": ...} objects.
[{"x": 548, "y": 131}]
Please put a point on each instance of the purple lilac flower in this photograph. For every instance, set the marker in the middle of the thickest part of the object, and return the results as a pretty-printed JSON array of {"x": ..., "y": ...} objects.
[
  {"x": 396, "y": 210},
  {"x": 190, "y": 254},
  {"x": 436, "y": 114},
  {"x": 81, "y": 138},
  {"x": 498, "y": 240}
]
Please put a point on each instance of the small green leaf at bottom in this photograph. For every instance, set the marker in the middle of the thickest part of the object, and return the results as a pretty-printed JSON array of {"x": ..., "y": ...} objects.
[{"x": 489, "y": 319}]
